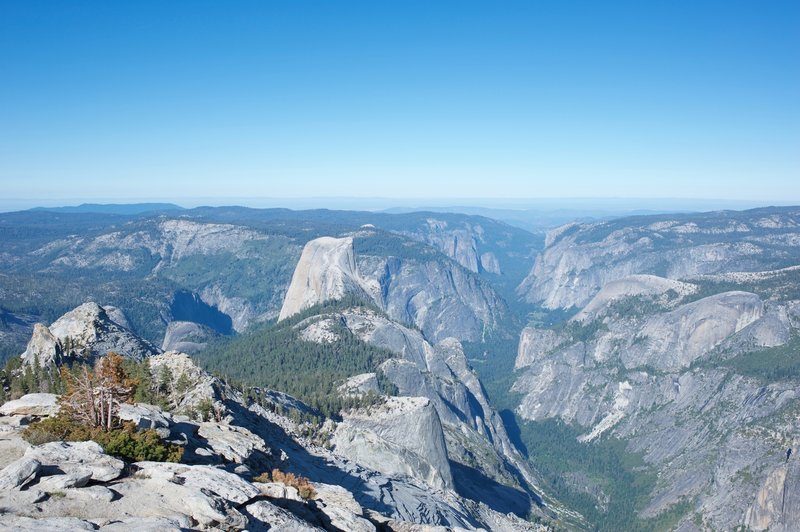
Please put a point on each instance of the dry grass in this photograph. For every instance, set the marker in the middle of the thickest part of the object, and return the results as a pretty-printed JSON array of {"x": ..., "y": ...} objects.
[{"x": 304, "y": 487}]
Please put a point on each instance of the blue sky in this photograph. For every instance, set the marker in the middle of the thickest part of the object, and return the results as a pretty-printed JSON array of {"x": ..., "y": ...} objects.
[{"x": 152, "y": 100}]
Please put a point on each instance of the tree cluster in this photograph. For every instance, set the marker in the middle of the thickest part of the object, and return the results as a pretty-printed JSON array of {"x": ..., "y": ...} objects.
[{"x": 276, "y": 357}]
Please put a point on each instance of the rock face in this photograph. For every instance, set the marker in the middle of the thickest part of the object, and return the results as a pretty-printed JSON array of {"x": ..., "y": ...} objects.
[
  {"x": 402, "y": 437},
  {"x": 490, "y": 263},
  {"x": 777, "y": 503},
  {"x": 460, "y": 244},
  {"x": 43, "y": 346},
  {"x": 580, "y": 259},
  {"x": 326, "y": 270},
  {"x": 651, "y": 287},
  {"x": 698, "y": 386},
  {"x": 187, "y": 337},
  {"x": 438, "y": 297},
  {"x": 86, "y": 331},
  {"x": 535, "y": 344},
  {"x": 481, "y": 245},
  {"x": 659, "y": 378},
  {"x": 675, "y": 339},
  {"x": 441, "y": 374}
]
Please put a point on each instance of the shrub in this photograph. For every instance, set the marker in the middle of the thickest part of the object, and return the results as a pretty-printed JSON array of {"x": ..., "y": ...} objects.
[
  {"x": 205, "y": 409},
  {"x": 263, "y": 477},
  {"x": 304, "y": 488},
  {"x": 58, "y": 428},
  {"x": 35, "y": 435},
  {"x": 124, "y": 442},
  {"x": 138, "y": 446}
]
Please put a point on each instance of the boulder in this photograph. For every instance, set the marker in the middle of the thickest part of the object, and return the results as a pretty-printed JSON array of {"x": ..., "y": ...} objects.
[
  {"x": 33, "y": 404},
  {"x": 226, "y": 485},
  {"x": 333, "y": 495},
  {"x": 234, "y": 443},
  {"x": 75, "y": 458},
  {"x": 276, "y": 519},
  {"x": 77, "y": 478},
  {"x": 343, "y": 519},
  {"x": 18, "y": 473},
  {"x": 279, "y": 490},
  {"x": 21, "y": 498},
  {"x": 146, "y": 417},
  {"x": 90, "y": 493}
]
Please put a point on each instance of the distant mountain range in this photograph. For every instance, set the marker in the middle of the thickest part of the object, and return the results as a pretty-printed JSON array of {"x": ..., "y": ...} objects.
[{"x": 113, "y": 208}]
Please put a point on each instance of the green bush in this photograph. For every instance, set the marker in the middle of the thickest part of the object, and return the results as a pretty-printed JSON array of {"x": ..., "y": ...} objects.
[{"x": 126, "y": 443}]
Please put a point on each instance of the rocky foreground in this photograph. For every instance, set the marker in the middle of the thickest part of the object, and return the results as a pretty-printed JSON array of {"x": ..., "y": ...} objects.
[{"x": 220, "y": 483}]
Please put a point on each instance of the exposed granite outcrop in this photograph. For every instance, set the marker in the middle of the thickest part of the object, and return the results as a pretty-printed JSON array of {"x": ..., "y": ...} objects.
[
  {"x": 401, "y": 437},
  {"x": 439, "y": 297},
  {"x": 84, "y": 332}
]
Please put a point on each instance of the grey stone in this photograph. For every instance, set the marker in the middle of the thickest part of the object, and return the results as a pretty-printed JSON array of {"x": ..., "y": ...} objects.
[
  {"x": 341, "y": 508},
  {"x": 145, "y": 417},
  {"x": 17, "y": 523},
  {"x": 234, "y": 443},
  {"x": 147, "y": 524},
  {"x": 75, "y": 458},
  {"x": 279, "y": 490},
  {"x": 401, "y": 437},
  {"x": 32, "y": 404},
  {"x": 92, "y": 493},
  {"x": 439, "y": 297},
  {"x": 276, "y": 519},
  {"x": 75, "y": 479},
  {"x": 19, "y": 473}
]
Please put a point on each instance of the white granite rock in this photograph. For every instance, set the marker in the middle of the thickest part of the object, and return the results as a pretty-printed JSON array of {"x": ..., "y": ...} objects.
[
  {"x": 18, "y": 473},
  {"x": 32, "y": 404},
  {"x": 75, "y": 458}
]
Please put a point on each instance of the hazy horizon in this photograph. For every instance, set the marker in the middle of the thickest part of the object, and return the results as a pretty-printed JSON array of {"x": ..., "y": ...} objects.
[{"x": 501, "y": 208}]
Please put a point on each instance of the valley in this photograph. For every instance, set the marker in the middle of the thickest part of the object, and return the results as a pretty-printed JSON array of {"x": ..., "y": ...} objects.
[{"x": 639, "y": 373}]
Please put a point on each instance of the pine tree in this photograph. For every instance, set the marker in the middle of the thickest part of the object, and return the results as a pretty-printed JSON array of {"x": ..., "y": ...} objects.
[
  {"x": 165, "y": 381},
  {"x": 183, "y": 384}
]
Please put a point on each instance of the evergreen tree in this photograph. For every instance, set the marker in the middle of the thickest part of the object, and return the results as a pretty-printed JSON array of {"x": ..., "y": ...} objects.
[{"x": 165, "y": 381}]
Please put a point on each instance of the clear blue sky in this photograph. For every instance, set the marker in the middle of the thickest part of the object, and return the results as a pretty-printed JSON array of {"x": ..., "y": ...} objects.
[{"x": 139, "y": 99}]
